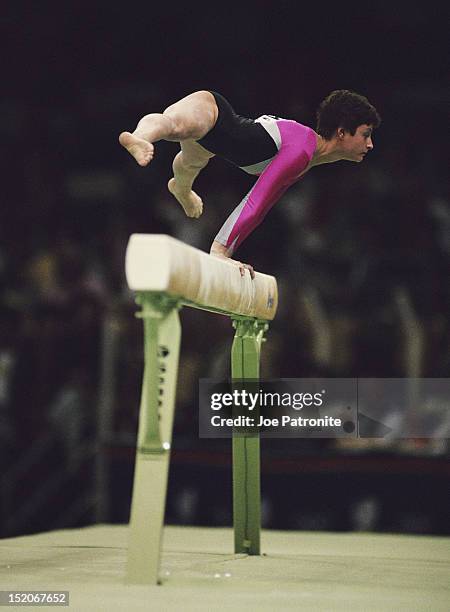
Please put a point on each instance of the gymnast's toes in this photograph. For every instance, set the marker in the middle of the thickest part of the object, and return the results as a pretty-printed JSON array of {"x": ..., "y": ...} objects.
[
  {"x": 189, "y": 200},
  {"x": 140, "y": 149}
]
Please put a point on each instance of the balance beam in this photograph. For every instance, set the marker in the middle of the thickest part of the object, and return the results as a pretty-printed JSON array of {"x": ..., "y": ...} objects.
[
  {"x": 167, "y": 274},
  {"x": 156, "y": 262}
]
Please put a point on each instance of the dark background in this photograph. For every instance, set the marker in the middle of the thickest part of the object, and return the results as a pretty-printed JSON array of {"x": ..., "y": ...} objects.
[{"x": 360, "y": 251}]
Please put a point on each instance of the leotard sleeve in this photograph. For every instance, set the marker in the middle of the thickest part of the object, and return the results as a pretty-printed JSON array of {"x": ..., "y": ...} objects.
[{"x": 298, "y": 143}]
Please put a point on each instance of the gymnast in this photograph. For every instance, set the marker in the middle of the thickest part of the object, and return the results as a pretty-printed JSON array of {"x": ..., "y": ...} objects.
[{"x": 278, "y": 151}]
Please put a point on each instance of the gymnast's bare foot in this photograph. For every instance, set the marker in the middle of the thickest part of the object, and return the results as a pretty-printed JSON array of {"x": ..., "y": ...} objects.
[
  {"x": 140, "y": 149},
  {"x": 189, "y": 200}
]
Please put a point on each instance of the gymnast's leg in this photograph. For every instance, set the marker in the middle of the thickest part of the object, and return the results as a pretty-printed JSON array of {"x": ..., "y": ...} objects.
[
  {"x": 190, "y": 118},
  {"x": 186, "y": 167}
]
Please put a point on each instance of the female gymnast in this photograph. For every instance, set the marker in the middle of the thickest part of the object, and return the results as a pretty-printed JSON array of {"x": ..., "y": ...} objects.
[{"x": 278, "y": 151}]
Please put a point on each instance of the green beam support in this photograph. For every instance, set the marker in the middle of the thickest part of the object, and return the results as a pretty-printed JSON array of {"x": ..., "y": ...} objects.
[
  {"x": 162, "y": 332},
  {"x": 245, "y": 365}
]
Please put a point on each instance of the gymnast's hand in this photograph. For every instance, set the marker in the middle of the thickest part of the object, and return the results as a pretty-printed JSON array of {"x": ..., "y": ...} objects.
[{"x": 219, "y": 250}]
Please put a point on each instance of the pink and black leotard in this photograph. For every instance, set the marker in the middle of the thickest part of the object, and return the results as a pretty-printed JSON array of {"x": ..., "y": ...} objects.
[{"x": 276, "y": 150}]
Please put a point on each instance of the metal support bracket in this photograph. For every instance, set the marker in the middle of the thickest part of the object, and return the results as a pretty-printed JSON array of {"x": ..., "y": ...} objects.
[
  {"x": 245, "y": 365},
  {"x": 162, "y": 332}
]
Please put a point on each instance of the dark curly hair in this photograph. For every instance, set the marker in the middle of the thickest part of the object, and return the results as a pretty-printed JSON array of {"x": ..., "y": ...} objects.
[{"x": 346, "y": 109}]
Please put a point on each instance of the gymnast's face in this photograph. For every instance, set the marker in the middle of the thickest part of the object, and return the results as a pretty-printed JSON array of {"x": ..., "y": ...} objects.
[{"x": 355, "y": 147}]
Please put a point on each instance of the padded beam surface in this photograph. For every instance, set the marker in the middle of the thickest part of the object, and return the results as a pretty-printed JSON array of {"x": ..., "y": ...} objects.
[{"x": 157, "y": 262}]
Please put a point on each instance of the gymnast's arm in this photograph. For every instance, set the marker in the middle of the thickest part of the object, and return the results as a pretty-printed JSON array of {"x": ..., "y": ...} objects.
[
  {"x": 283, "y": 171},
  {"x": 221, "y": 251}
]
